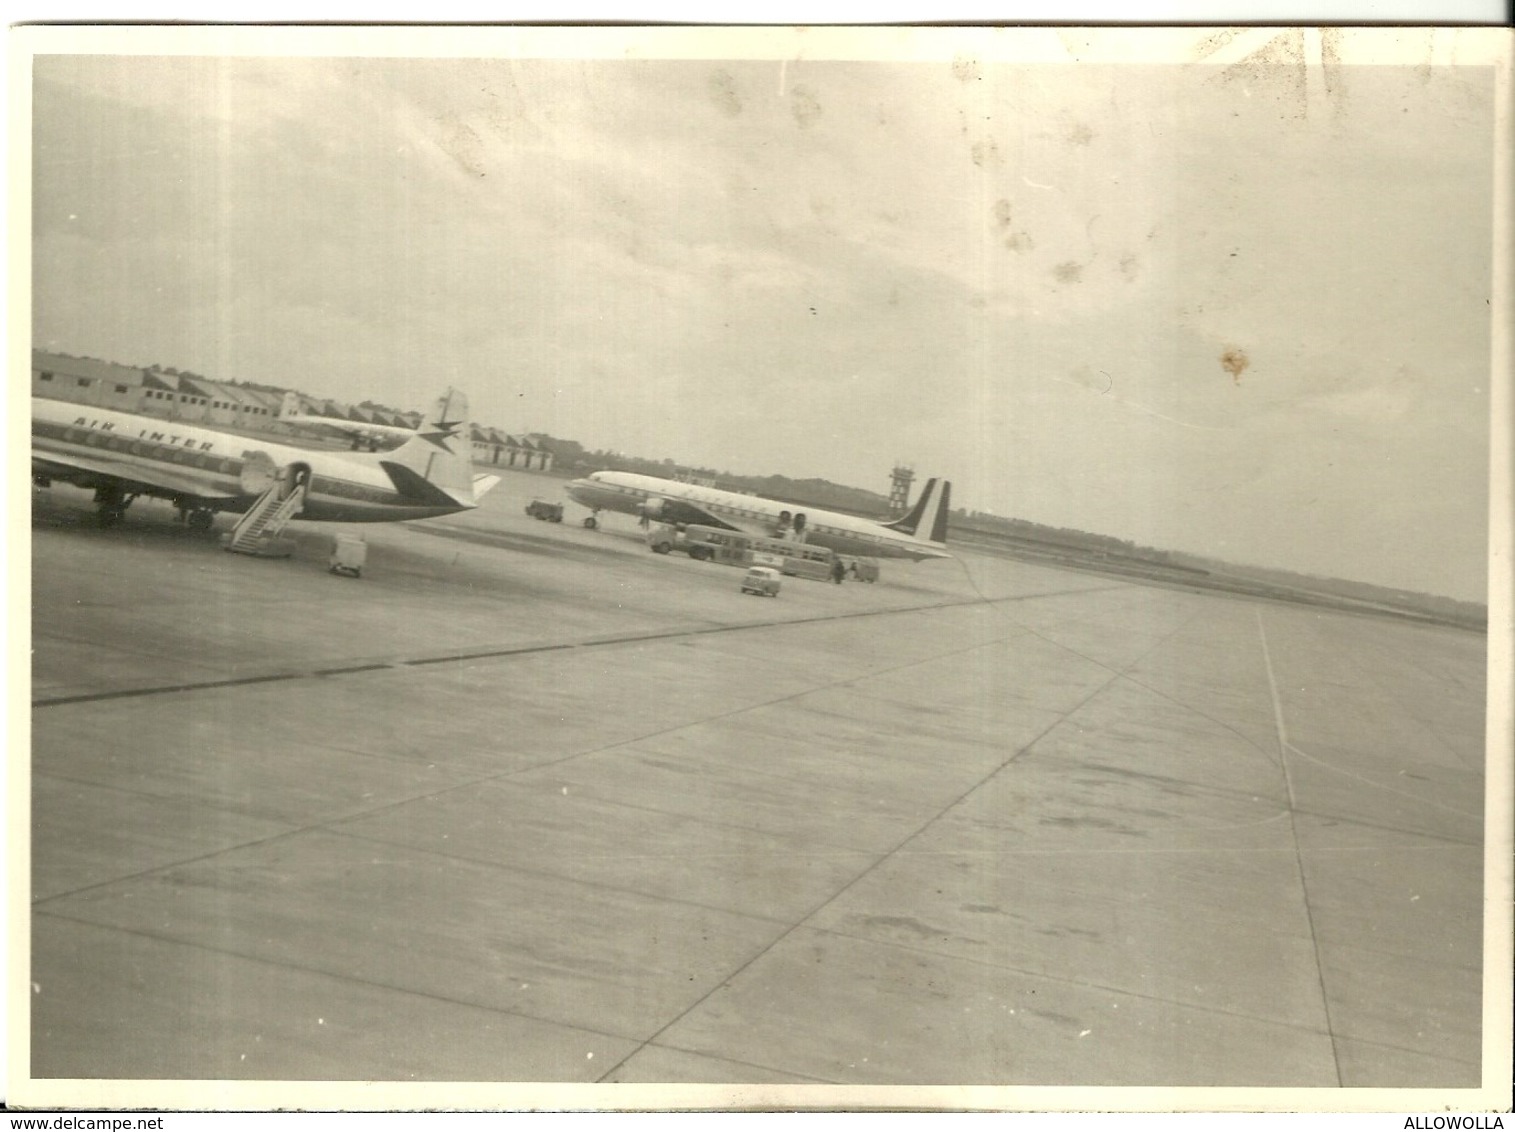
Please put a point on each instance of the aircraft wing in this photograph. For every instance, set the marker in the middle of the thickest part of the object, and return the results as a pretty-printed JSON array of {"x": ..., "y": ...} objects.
[
  {"x": 45, "y": 463},
  {"x": 666, "y": 510}
]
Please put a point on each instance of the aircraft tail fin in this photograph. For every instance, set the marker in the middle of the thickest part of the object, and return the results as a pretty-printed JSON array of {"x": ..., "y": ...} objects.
[
  {"x": 927, "y": 520},
  {"x": 440, "y": 452}
]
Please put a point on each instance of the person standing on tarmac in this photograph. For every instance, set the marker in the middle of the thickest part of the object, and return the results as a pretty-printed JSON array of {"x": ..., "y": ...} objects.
[{"x": 838, "y": 571}]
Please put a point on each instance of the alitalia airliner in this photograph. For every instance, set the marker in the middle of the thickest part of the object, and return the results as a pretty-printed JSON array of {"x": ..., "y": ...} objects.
[{"x": 922, "y": 533}]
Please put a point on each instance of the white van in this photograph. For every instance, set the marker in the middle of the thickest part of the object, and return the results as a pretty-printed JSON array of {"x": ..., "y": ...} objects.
[{"x": 763, "y": 581}]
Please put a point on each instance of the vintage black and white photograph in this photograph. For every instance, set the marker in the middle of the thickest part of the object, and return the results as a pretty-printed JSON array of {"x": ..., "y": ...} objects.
[{"x": 762, "y": 567}]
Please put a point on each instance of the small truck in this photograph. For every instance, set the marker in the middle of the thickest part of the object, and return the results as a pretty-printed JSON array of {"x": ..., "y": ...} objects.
[{"x": 547, "y": 512}]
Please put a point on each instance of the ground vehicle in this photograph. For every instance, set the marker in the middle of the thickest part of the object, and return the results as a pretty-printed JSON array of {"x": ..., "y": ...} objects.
[
  {"x": 348, "y": 555},
  {"x": 762, "y": 580},
  {"x": 733, "y": 548},
  {"x": 664, "y": 537},
  {"x": 863, "y": 569},
  {"x": 542, "y": 509}
]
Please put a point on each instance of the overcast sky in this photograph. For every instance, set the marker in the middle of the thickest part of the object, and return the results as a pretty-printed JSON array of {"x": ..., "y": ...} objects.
[{"x": 1239, "y": 310}]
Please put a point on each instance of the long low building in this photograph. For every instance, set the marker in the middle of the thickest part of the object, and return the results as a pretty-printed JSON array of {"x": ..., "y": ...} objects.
[{"x": 234, "y": 405}]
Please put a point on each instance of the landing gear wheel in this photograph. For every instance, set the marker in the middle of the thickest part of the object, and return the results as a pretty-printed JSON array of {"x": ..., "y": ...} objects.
[
  {"x": 112, "y": 503},
  {"x": 591, "y": 522},
  {"x": 200, "y": 520}
]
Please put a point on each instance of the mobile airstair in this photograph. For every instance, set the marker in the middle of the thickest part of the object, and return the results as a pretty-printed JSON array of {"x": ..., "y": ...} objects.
[{"x": 257, "y": 532}]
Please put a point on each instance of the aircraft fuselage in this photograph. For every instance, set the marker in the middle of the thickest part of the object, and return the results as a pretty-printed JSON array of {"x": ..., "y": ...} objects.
[
  {"x": 633, "y": 494},
  {"x": 203, "y": 467}
]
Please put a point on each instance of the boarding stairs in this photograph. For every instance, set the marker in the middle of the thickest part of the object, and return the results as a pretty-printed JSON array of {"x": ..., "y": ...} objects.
[{"x": 257, "y": 531}]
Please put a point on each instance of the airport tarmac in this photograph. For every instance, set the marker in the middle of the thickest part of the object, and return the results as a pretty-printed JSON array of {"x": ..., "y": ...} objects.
[{"x": 528, "y": 803}]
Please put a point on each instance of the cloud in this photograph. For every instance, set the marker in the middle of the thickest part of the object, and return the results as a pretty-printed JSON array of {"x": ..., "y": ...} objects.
[{"x": 1026, "y": 278}]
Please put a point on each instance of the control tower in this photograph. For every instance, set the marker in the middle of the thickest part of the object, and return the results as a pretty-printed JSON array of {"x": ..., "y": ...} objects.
[{"x": 899, "y": 489}]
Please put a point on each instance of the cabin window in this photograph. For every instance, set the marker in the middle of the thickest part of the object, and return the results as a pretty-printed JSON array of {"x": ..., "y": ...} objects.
[
  {"x": 45, "y": 376},
  {"x": 84, "y": 383},
  {"x": 123, "y": 389}
]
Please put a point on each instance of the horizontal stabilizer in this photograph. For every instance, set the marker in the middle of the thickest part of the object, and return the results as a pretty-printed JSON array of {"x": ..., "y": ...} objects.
[{"x": 417, "y": 487}]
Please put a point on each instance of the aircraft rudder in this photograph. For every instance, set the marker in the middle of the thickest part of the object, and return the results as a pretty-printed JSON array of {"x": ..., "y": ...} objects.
[
  {"x": 909, "y": 522},
  {"x": 441, "y": 451},
  {"x": 939, "y": 520}
]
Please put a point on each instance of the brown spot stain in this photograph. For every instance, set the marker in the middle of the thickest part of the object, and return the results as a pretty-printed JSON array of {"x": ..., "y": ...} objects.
[
  {"x": 1279, "y": 67},
  {"x": 462, "y": 143},
  {"x": 1213, "y": 43},
  {"x": 1015, "y": 241},
  {"x": 965, "y": 70},
  {"x": 804, "y": 106},
  {"x": 1069, "y": 272},
  {"x": 1080, "y": 134},
  {"x": 1330, "y": 61},
  {"x": 986, "y": 153},
  {"x": 1233, "y": 360},
  {"x": 723, "y": 94}
]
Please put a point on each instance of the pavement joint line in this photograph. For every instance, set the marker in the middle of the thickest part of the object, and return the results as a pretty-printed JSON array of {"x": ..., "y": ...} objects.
[
  {"x": 894, "y": 851},
  {"x": 1122, "y": 611},
  {"x": 473, "y": 783},
  {"x": 797, "y": 1078},
  {"x": 503, "y": 775},
  {"x": 1065, "y": 980},
  {"x": 1299, "y": 860},
  {"x": 560, "y": 760},
  {"x": 1334, "y": 769},
  {"x": 1448, "y": 842},
  {"x": 337, "y": 976},
  {"x": 335, "y": 829},
  {"x": 1432, "y": 733},
  {"x": 1251, "y": 742},
  {"x": 517, "y": 650}
]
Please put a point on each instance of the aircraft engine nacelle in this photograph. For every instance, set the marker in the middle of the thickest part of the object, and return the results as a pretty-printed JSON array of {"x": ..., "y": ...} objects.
[{"x": 653, "y": 508}]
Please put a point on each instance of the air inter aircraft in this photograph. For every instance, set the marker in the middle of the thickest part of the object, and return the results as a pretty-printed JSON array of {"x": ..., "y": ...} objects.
[
  {"x": 361, "y": 433},
  {"x": 920, "y": 534},
  {"x": 204, "y": 470}
]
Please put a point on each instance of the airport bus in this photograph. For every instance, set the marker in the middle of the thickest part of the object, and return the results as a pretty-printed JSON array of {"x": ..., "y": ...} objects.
[{"x": 735, "y": 548}]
